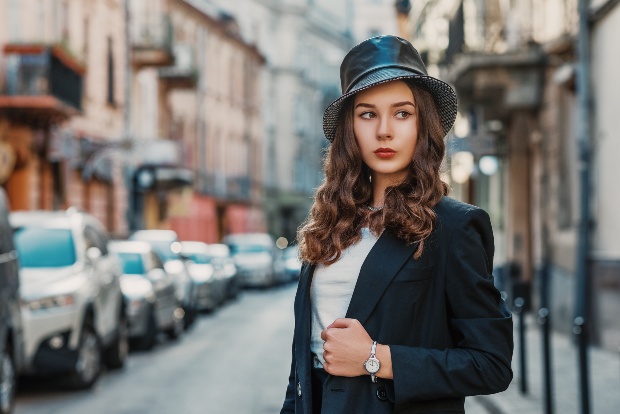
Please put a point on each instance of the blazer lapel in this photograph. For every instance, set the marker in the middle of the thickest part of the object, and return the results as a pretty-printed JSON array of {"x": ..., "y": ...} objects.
[
  {"x": 304, "y": 324},
  {"x": 303, "y": 327},
  {"x": 381, "y": 265}
]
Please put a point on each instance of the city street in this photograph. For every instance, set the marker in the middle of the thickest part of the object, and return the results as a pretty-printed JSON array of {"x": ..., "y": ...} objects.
[{"x": 235, "y": 360}]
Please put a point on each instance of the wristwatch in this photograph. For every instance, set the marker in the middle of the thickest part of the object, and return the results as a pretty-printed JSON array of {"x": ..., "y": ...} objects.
[{"x": 372, "y": 364}]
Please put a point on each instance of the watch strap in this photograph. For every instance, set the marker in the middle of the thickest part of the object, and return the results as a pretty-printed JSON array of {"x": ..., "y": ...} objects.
[
  {"x": 373, "y": 349},
  {"x": 373, "y": 352}
]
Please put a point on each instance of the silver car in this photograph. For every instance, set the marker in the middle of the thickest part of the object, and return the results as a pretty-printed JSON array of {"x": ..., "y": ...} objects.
[
  {"x": 150, "y": 294},
  {"x": 211, "y": 291},
  {"x": 224, "y": 264},
  {"x": 254, "y": 255},
  {"x": 72, "y": 304},
  {"x": 166, "y": 244},
  {"x": 288, "y": 264}
]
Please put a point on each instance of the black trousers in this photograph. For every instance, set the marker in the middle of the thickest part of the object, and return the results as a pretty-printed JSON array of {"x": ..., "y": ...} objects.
[{"x": 319, "y": 375}]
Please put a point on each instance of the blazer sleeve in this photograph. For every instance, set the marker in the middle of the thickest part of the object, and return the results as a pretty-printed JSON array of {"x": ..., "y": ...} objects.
[
  {"x": 289, "y": 399},
  {"x": 479, "y": 322}
]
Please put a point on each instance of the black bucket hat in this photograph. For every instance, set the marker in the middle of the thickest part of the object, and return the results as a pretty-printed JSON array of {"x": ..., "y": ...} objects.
[{"x": 383, "y": 59}]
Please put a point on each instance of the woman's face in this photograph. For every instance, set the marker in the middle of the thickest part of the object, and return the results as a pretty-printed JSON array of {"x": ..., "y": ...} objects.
[{"x": 386, "y": 129}]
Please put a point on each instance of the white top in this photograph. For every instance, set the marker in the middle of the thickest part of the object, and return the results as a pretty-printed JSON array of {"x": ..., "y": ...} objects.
[{"x": 332, "y": 288}]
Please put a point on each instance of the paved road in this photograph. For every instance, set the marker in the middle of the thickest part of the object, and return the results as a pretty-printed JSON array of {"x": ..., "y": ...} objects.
[{"x": 235, "y": 360}]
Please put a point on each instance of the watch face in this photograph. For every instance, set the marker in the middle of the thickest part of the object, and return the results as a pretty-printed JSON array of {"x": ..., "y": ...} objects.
[{"x": 372, "y": 365}]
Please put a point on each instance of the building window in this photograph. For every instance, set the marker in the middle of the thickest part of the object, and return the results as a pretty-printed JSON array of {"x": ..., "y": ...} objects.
[{"x": 110, "y": 93}]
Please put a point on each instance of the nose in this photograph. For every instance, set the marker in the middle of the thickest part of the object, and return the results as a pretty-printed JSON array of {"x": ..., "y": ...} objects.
[{"x": 384, "y": 129}]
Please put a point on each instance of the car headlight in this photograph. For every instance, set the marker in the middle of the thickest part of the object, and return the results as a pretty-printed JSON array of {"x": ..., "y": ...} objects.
[{"x": 50, "y": 302}]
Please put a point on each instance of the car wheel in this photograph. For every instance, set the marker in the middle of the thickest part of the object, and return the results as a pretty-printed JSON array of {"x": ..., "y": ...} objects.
[
  {"x": 147, "y": 342},
  {"x": 118, "y": 351},
  {"x": 190, "y": 316},
  {"x": 7, "y": 383},
  {"x": 178, "y": 324},
  {"x": 88, "y": 365}
]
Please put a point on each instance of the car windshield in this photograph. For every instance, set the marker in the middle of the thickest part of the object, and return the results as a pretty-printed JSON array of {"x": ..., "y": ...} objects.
[
  {"x": 198, "y": 258},
  {"x": 132, "y": 263},
  {"x": 248, "y": 248},
  {"x": 40, "y": 247},
  {"x": 162, "y": 247},
  {"x": 291, "y": 252}
]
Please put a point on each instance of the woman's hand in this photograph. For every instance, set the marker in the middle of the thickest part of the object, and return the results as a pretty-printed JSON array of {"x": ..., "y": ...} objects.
[{"x": 346, "y": 348}]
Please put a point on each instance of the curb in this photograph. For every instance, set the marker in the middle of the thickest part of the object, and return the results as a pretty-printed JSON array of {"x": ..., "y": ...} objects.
[{"x": 491, "y": 405}]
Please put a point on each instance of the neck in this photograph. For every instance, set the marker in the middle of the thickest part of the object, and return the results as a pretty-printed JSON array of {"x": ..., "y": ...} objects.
[{"x": 380, "y": 182}]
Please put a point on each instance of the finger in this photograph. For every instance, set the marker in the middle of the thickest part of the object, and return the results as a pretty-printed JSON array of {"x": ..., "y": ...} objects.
[
  {"x": 341, "y": 323},
  {"x": 324, "y": 334},
  {"x": 327, "y": 367}
]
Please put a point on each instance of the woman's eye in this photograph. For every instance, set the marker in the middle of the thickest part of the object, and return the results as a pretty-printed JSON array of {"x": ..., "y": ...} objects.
[
  {"x": 367, "y": 115},
  {"x": 402, "y": 114}
]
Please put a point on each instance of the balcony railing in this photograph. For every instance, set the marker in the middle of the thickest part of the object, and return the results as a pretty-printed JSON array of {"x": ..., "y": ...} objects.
[
  {"x": 41, "y": 82},
  {"x": 238, "y": 188},
  {"x": 151, "y": 40},
  {"x": 183, "y": 74}
]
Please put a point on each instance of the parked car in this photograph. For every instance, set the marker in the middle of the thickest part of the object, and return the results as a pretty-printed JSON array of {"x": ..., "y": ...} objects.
[
  {"x": 288, "y": 264},
  {"x": 211, "y": 292},
  {"x": 254, "y": 255},
  {"x": 150, "y": 294},
  {"x": 11, "y": 336},
  {"x": 72, "y": 305},
  {"x": 224, "y": 264},
  {"x": 166, "y": 244}
]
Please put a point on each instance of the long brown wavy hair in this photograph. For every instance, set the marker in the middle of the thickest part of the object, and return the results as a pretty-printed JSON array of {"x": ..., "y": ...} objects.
[{"x": 339, "y": 211}]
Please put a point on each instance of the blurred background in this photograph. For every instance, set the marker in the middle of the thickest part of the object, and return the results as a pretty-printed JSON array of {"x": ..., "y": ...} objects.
[{"x": 204, "y": 118}]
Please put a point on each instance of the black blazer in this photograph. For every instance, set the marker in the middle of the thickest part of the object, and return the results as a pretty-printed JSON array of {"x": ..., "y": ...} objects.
[{"x": 449, "y": 331}]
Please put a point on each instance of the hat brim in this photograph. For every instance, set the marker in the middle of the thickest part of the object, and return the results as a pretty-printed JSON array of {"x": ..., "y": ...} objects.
[{"x": 443, "y": 94}]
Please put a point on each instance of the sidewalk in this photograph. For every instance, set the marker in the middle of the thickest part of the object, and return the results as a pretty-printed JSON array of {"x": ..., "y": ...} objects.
[{"x": 604, "y": 367}]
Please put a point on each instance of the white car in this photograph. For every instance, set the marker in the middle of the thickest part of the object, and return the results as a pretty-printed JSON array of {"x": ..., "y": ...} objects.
[{"x": 72, "y": 305}]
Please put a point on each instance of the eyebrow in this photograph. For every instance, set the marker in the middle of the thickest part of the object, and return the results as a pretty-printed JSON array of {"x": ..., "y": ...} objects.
[{"x": 395, "y": 105}]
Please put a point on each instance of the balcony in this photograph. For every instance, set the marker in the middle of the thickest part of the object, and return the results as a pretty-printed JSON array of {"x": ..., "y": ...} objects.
[
  {"x": 184, "y": 74},
  {"x": 232, "y": 189},
  {"x": 42, "y": 84},
  {"x": 499, "y": 82},
  {"x": 151, "y": 41}
]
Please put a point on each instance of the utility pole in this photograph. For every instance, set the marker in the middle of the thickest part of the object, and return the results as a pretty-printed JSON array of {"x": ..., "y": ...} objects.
[{"x": 582, "y": 309}]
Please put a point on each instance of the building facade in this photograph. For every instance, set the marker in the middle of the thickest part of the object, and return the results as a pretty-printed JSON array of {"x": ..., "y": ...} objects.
[
  {"x": 515, "y": 147},
  {"x": 376, "y": 17},
  {"x": 214, "y": 109},
  {"x": 145, "y": 113},
  {"x": 605, "y": 256},
  {"x": 303, "y": 43},
  {"x": 61, "y": 100}
]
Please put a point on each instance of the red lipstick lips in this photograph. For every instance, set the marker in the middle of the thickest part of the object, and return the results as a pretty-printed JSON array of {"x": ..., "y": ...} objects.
[{"x": 385, "y": 152}]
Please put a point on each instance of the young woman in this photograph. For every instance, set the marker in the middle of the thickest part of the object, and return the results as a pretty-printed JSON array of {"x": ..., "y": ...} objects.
[{"x": 396, "y": 311}]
